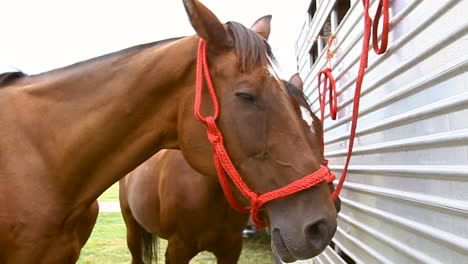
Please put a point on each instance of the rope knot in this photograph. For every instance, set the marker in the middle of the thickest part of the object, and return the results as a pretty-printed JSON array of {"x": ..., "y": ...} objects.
[
  {"x": 214, "y": 135},
  {"x": 330, "y": 176},
  {"x": 256, "y": 205},
  {"x": 330, "y": 52},
  {"x": 214, "y": 139}
]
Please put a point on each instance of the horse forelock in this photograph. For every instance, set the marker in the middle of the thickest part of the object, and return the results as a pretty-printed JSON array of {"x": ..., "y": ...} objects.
[{"x": 252, "y": 50}]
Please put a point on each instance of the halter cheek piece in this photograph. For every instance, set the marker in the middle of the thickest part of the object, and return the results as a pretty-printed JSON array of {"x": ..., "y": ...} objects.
[{"x": 223, "y": 162}]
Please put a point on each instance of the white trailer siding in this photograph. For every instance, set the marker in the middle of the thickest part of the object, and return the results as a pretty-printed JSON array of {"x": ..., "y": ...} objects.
[{"x": 406, "y": 196}]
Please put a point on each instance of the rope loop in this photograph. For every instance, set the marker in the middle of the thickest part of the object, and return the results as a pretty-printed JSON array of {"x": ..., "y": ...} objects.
[
  {"x": 382, "y": 8},
  {"x": 203, "y": 71},
  {"x": 328, "y": 84}
]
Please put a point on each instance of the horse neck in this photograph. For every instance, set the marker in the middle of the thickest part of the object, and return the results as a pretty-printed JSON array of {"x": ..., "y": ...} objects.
[{"x": 96, "y": 122}]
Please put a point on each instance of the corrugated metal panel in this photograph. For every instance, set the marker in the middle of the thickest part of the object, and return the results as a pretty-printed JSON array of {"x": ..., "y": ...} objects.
[
  {"x": 329, "y": 256},
  {"x": 406, "y": 196}
]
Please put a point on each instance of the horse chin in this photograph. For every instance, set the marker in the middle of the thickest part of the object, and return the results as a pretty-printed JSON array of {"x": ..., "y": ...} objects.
[
  {"x": 289, "y": 251},
  {"x": 280, "y": 248}
]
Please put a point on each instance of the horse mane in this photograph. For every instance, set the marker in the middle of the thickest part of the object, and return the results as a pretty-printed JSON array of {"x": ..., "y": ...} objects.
[
  {"x": 126, "y": 52},
  {"x": 253, "y": 51},
  {"x": 10, "y": 77},
  {"x": 297, "y": 94}
]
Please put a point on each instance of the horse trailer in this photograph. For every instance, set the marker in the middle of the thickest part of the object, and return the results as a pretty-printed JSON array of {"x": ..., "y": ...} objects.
[{"x": 405, "y": 199}]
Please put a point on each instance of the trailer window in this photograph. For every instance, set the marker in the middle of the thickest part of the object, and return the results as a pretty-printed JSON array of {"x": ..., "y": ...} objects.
[
  {"x": 341, "y": 7},
  {"x": 312, "y": 9},
  {"x": 313, "y": 53},
  {"x": 333, "y": 20},
  {"x": 325, "y": 33}
]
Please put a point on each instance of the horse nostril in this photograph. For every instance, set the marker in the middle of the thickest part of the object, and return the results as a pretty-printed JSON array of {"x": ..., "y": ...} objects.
[{"x": 317, "y": 233}]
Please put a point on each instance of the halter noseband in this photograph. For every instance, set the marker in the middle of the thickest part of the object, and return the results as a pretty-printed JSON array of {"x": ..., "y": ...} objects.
[{"x": 223, "y": 162}]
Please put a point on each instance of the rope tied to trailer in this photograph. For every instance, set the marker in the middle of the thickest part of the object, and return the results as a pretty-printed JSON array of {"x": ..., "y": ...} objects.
[
  {"x": 370, "y": 28},
  {"x": 328, "y": 84}
]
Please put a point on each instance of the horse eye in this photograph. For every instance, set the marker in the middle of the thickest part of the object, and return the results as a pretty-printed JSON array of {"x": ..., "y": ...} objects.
[{"x": 247, "y": 97}]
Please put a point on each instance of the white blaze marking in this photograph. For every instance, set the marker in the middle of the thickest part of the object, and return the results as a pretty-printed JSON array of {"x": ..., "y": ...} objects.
[{"x": 308, "y": 118}]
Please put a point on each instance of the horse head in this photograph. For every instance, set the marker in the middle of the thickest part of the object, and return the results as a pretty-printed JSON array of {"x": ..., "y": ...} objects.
[{"x": 263, "y": 134}]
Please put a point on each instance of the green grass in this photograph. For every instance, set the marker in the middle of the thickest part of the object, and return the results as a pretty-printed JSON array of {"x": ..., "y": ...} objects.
[
  {"x": 111, "y": 194},
  {"x": 107, "y": 245},
  {"x": 256, "y": 250}
]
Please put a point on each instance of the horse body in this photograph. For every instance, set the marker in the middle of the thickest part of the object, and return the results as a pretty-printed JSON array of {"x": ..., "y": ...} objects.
[
  {"x": 44, "y": 151},
  {"x": 165, "y": 196},
  {"x": 69, "y": 134}
]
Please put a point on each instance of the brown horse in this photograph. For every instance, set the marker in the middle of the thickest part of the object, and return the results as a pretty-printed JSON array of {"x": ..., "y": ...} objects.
[
  {"x": 69, "y": 134},
  {"x": 167, "y": 197}
]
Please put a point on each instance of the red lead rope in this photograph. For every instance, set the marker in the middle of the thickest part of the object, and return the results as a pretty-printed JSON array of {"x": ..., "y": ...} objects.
[
  {"x": 328, "y": 84},
  {"x": 382, "y": 8},
  {"x": 223, "y": 162}
]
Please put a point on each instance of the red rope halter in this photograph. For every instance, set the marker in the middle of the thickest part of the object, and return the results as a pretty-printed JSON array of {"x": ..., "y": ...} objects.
[{"x": 223, "y": 162}]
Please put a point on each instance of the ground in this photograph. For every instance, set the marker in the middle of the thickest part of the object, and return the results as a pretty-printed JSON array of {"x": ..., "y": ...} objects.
[{"x": 107, "y": 244}]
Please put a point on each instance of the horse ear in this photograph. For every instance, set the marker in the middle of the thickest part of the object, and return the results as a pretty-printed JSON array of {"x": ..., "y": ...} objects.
[
  {"x": 207, "y": 25},
  {"x": 262, "y": 27},
  {"x": 297, "y": 81}
]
